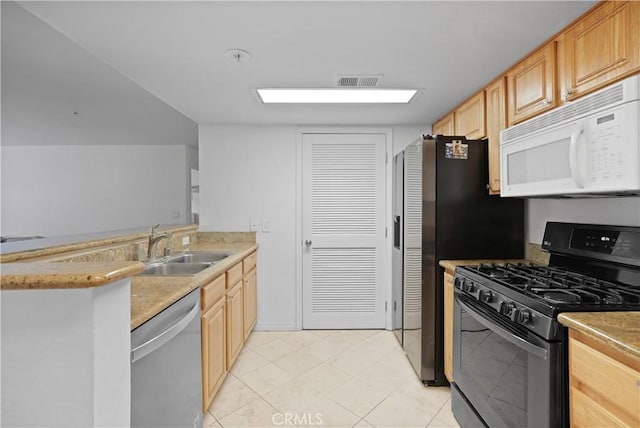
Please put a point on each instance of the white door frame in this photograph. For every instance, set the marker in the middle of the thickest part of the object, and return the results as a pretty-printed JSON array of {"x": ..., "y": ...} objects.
[{"x": 385, "y": 272}]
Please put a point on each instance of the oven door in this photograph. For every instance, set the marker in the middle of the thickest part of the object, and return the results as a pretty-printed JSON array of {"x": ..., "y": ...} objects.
[{"x": 509, "y": 376}]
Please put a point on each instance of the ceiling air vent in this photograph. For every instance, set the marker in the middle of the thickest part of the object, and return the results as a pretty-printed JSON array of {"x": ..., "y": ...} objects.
[{"x": 352, "y": 81}]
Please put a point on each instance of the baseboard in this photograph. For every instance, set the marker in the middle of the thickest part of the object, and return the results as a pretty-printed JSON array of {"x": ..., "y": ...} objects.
[{"x": 275, "y": 326}]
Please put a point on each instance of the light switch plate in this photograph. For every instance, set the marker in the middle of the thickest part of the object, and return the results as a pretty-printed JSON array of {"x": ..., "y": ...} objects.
[
  {"x": 254, "y": 224},
  {"x": 266, "y": 225},
  {"x": 185, "y": 241}
]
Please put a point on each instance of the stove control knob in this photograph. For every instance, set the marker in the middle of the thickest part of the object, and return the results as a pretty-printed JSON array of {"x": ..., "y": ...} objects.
[
  {"x": 469, "y": 287},
  {"x": 521, "y": 316},
  {"x": 485, "y": 296},
  {"x": 507, "y": 308},
  {"x": 459, "y": 283}
]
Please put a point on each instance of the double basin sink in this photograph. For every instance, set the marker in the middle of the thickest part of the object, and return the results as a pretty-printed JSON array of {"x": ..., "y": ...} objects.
[{"x": 188, "y": 263}]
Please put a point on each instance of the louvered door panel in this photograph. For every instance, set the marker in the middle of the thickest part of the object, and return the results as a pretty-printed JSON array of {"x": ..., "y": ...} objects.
[{"x": 343, "y": 222}]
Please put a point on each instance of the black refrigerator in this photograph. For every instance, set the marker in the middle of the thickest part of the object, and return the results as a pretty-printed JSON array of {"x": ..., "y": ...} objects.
[{"x": 442, "y": 210}]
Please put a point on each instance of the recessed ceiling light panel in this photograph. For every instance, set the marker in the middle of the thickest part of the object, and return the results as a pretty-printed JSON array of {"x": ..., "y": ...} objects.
[{"x": 336, "y": 96}]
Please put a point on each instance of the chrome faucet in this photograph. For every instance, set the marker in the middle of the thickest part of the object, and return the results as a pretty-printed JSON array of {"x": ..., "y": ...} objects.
[{"x": 154, "y": 238}]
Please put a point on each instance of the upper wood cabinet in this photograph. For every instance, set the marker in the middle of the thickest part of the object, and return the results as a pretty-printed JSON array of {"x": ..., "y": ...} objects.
[
  {"x": 444, "y": 126},
  {"x": 602, "y": 47},
  {"x": 469, "y": 118},
  {"x": 531, "y": 85},
  {"x": 496, "y": 113}
]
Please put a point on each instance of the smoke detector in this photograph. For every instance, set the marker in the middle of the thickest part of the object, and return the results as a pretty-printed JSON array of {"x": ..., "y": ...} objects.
[
  {"x": 358, "y": 80},
  {"x": 238, "y": 55}
]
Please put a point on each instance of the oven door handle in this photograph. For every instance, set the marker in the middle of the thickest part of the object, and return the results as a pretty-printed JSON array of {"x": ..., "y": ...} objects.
[{"x": 510, "y": 337}]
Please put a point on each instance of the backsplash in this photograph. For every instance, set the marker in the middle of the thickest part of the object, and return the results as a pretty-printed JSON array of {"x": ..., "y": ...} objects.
[
  {"x": 227, "y": 237},
  {"x": 536, "y": 254}
]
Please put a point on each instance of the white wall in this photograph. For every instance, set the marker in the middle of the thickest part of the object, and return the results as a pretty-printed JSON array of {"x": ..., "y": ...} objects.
[
  {"x": 616, "y": 211},
  {"x": 250, "y": 172},
  {"x": 66, "y": 357},
  {"x": 62, "y": 190}
]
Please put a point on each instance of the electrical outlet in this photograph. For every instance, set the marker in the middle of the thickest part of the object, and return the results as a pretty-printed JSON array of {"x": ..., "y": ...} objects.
[
  {"x": 254, "y": 224},
  {"x": 185, "y": 241},
  {"x": 266, "y": 225},
  {"x": 175, "y": 215}
]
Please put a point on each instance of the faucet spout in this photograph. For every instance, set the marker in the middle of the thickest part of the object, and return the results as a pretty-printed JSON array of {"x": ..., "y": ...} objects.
[{"x": 154, "y": 238}]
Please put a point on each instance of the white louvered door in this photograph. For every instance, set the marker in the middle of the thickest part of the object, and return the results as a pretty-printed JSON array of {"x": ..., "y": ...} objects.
[{"x": 343, "y": 194}]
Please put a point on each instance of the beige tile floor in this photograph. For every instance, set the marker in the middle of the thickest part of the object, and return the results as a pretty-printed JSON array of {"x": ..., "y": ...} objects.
[{"x": 328, "y": 378}]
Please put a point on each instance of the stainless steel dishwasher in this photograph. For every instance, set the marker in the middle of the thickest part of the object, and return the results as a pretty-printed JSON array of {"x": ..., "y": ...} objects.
[{"x": 166, "y": 373}]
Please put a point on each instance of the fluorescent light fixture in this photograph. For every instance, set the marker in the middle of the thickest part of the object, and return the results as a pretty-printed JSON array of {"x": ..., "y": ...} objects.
[{"x": 336, "y": 96}]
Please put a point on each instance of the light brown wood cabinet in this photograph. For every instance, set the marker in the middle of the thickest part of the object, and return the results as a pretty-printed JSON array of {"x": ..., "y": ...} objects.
[
  {"x": 496, "y": 114},
  {"x": 469, "y": 118},
  {"x": 214, "y": 368},
  {"x": 250, "y": 301},
  {"x": 448, "y": 326},
  {"x": 444, "y": 126},
  {"x": 531, "y": 85},
  {"x": 235, "y": 320},
  {"x": 601, "y": 48},
  {"x": 604, "y": 384},
  {"x": 229, "y": 313}
]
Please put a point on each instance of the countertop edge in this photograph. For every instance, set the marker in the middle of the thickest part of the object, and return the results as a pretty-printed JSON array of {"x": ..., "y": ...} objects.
[
  {"x": 52, "y": 276},
  {"x": 591, "y": 323}
]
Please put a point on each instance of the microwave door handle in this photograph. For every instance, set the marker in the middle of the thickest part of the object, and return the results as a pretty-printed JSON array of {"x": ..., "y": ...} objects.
[
  {"x": 573, "y": 155},
  {"x": 505, "y": 334}
]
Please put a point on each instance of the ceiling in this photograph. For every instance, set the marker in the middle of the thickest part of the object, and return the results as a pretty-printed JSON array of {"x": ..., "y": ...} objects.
[{"x": 176, "y": 51}]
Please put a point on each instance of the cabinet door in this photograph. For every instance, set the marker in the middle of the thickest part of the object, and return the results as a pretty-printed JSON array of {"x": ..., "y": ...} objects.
[
  {"x": 214, "y": 347},
  {"x": 250, "y": 302},
  {"x": 444, "y": 126},
  {"x": 470, "y": 118},
  {"x": 448, "y": 326},
  {"x": 496, "y": 99},
  {"x": 531, "y": 85},
  {"x": 235, "y": 330},
  {"x": 603, "y": 384},
  {"x": 602, "y": 48}
]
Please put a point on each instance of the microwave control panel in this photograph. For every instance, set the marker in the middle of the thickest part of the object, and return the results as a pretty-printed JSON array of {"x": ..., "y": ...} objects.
[{"x": 606, "y": 147}]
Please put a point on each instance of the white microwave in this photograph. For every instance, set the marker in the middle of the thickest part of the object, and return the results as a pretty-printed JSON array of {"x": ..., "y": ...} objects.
[{"x": 590, "y": 146}]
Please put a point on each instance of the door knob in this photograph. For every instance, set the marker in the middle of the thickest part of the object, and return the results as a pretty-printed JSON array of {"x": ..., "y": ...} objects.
[{"x": 307, "y": 242}]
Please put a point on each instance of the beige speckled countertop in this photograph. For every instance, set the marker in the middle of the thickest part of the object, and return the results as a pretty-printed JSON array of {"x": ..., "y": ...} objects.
[
  {"x": 451, "y": 264},
  {"x": 25, "y": 276},
  {"x": 151, "y": 294},
  {"x": 620, "y": 330}
]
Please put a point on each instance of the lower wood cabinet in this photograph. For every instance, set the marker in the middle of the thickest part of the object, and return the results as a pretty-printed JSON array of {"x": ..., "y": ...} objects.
[
  {"x": 214, "y": 366},
  {"x": 604, "y": 384},
  {"x": 250, "y": 301},
  {"x": 448, "y": 326},
  {"x": 229, "y": 313},
  {"x": 235, "y": 322}
]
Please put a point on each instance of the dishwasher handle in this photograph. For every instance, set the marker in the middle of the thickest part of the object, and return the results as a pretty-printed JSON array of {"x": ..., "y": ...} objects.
[{"x": 164, "y": 337}]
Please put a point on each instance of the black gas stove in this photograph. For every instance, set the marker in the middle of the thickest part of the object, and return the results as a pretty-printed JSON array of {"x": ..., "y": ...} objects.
[
  {"x": 510, "y": 353},
  {"x": 591, "y": 268}
]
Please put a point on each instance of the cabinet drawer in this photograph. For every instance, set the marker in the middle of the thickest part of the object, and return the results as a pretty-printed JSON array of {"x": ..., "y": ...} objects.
[
  {"x": 212, "y": 292},
  {"x": 234, "y": 274},
  {"x": 248, "y": 263},
  {"x": 587, "y": 413},
  {"x": 611, "y": 383}
]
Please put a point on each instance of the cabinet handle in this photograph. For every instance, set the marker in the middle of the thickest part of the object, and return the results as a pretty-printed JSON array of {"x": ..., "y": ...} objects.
[
  {"x": 546, "y": 101},
  {"x": 566, "y": 93}
]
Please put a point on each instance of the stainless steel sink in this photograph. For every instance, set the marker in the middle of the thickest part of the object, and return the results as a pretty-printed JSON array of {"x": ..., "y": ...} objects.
[
  {"x": 163, "y": 268},
  {"x": 199, "y": 257}
]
